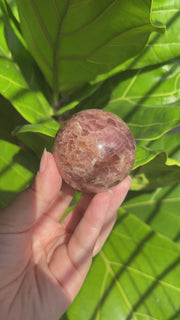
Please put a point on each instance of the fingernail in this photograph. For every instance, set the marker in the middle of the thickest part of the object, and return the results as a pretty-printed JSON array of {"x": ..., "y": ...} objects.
[{"x": 43, "y": 163}]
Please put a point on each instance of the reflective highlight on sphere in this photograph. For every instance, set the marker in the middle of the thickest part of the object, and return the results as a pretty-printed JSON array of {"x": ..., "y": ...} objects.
[{"x": 94, "y": 151}]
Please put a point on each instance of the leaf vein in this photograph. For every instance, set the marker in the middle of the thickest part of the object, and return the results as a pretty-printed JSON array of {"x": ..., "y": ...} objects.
[
  {"x": 151, "y": 201},
  {"x": 151, "y": 124},
  {"x": 29, "y": 107},
  {"x": 56, "y": 9},
  {"x": 166, "y": 10},
  {"x": 77, "y": 4},
  {"x": 121, "y": 235},
  {"x": 118, "y": 284},
  {"x": 145, "y": 275},
  {"x": 102, "y": 46},
  {"x": 14, "y": 168},
  {"x": 101, "y": 293},
  {"x": 130, "y": 84},
  {"x": 162, "y": 44},
  {"x": 7, "y": 54},
  {"x": 47, "y": 111},
  {"x": 146, "y": 315},
  {"x": 55, "y": 53},
  {"x": 13, "y": 82},
  {"x": 130, "y": 98},
  {"x": 67, "y": 34},
  {"x": 41, "y": 24}
]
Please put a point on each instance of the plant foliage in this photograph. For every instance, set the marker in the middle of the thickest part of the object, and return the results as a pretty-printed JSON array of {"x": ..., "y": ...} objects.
[{"x": 60, "y": 57}]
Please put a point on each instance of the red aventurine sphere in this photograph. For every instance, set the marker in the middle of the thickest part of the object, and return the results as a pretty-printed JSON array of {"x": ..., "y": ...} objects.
[{"x": 94, "y": 150}]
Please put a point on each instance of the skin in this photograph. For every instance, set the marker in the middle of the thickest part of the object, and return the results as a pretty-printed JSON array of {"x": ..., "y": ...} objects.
[{"x": 43, "y": 263}]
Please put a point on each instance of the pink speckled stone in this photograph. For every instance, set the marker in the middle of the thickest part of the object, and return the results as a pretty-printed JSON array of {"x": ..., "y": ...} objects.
[{"x": 94, "y": 150}]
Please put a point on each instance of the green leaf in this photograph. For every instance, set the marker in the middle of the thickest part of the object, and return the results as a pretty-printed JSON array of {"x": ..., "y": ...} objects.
[
  {"x": 74, "y": 41},
  {"x": 32, "y": 105},
  {"x": 17, "y": 168},
  {"x": 164, "y": 147},
  {"x": 71, "y": 100},
  {"x": 143, "y": 156},
  {"x": 9, "y": 119},
  {"x": 168, "y": 143},
  {"x": 160, "y": 47},
  {"x": 161, "y": 171},
  {"x": 159, "y": 208},
  {"x": 147, "y": 99},
  {"x": 48, "y": 128},
  {"x": 135, "y": 277},
  {"x": 38, "y": 136},
  {"x": 148, "y": 150},
  {"x": 11, "y": 10},
  {"x": 37, "y": 142}
]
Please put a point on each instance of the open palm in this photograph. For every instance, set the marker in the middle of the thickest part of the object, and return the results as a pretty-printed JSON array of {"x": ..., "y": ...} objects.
[{"x": 43, "y": 263}]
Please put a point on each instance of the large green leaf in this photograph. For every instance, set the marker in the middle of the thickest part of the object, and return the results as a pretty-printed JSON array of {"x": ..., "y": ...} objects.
[
  {"x": 159, "y": 208},
  {"x": 9, "y": 119},
  {"x": 147, "y": 99},
  {"x": 17, "y": 168},
  {"x": 38, "y": 136},
  {"x": 159, "y": 172},
  {"x": 48, "y": 128},
  {"x": 160, "y": 47},
  {"x": 143, "y": 156},
  {"x": 15, "y": 68},
  {"x": 74, "y": 41},
  {"x": 155, "y": 168},
  {"x": 135, "y": 277},
  {"x": 37, "y": 142},
  {"x": 165, "y": 47},
  {"x": 169, "y": 143}
]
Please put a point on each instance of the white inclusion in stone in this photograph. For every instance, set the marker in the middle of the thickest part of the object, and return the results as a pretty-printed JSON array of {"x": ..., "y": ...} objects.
[{"x": 100, "y": 146}]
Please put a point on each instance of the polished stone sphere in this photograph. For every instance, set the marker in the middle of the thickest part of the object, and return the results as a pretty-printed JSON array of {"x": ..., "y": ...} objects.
[{"x": 94, "y": 150}]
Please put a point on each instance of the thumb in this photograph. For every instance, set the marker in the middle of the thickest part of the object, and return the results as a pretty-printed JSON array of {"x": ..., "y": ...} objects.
[{"x": 30, "y": 204}]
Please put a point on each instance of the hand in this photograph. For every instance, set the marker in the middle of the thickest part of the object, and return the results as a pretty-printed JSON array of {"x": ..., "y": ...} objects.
[{"x": 43, "y": 263}]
